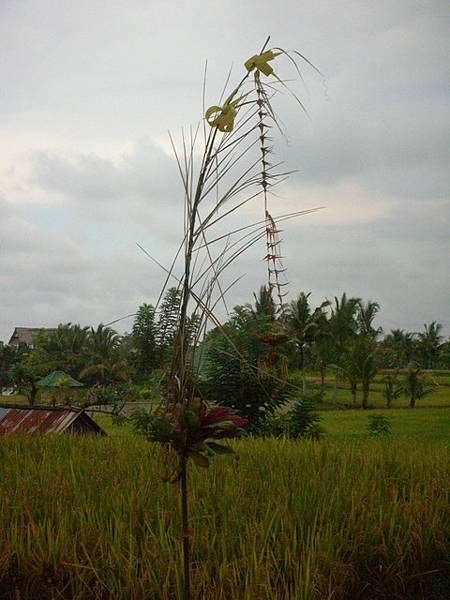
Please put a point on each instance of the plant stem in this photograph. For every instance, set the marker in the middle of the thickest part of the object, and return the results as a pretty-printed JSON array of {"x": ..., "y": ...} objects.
[{"x": 185, "y": 521}]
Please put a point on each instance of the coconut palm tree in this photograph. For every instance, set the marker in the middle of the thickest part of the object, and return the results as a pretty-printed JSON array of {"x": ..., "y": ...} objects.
[
  {"x": 305, "y": 325},
  {"x": 107, "y": 362},
  {"x": 429, "y": 343},
  {"x": 343, "y": 327},
  {"x": 343, "y": 320},
  {"x": 366, "y": 314},
  {"x": 417, "y": 384},
  {"x": 65, "y": 348}
]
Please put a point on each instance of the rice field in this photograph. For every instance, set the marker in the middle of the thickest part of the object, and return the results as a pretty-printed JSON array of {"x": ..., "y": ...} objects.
[{"x": 345, "y": 518}]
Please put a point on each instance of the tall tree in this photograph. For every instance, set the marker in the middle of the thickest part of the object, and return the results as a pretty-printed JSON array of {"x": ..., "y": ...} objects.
[
  {"x": 168, "y": 323},
  {"x": 400, "y": 348},
  {"x": 429, "y": 342},
  {"x": 9, "y": 357},
  {"x": 417, "y": 384},
  {"x": 65, "y": 348},
  {"x": 33, "y": 366},
  {"x": 304, "y": 323},
  {"x": 264, "y": 305},
  {"x": 363, "y": 356},
  {"x": 144, "y": 335},
  {"x": 366, "y": 314},
  {"x": 343, "y": 327},
  {"x": 106, "y": 359},
  {"x": 343, "y": 320}
]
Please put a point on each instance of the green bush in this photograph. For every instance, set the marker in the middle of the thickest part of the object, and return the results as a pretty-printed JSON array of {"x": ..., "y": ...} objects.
[
  {"x": 299, "y": 419},
  {"x": 379, "y": 425},
  {"x": 303, "y": 420}
]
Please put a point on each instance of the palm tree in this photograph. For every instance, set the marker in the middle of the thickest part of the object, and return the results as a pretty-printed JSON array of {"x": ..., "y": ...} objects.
[
  {"x": 65, "y": 348},
  {"x": 392, "y": 387},
  {"x": 429, "y": 344},
  {"x": 264, "y": 305},
  {"x": 350, "y": 373},
  {"x": 343, "y": 328},
  {"x": 343, "y": 321},
  {"x": 401, "y": 344},
  {"x": 304, "y": 324},
  {"x": 366, "y": 315},
  {"x": 417, "y": 384},
  {"x": 105, "y": 356}
]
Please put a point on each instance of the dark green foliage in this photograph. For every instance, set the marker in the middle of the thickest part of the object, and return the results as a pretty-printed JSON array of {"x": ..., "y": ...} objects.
[
  {"x": 297, "y": 419},
  {"x": 392, "y": 388},
  {"x": 398, "y": 348},
  {"x": 303, "y": 418},
  {"x": 32, "y": 367},
  {"x": 343, "y": 321},
  {"x": 275, "y": 424},
  {"x": 65, "y": 348},
  {"x": 168, "y": 323},
  {"x": 106, "y": 360},
  {"x": 429, "y": 345},
  {"x": 232, "y": 377},
  {"x": 141, "y": 421},
  {"x": 379, "y": 425},
  {"x": 115, "y": 395},
  {"x": 417, "y": 384},
  {"x": 360, "y": 363},
  {"x": 144, "y": 336},
  {"x": 9, "y": 357},
  {"x": 306, "y": 325},
  {"x": 236, "y": 371}
]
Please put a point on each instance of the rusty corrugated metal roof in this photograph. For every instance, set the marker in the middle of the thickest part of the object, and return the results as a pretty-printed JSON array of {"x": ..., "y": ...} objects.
[{"x": 44, "y": 420}]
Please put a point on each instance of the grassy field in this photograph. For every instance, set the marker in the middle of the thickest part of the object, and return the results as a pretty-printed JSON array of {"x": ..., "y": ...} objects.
[
  {"x": 426, "y": 425},
  {"x": 348, "y": 517},
  {"x": 439, "y": 397}
]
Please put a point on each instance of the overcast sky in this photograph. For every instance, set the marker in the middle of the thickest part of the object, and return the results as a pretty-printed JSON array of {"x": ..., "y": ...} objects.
[{"x": 90, "y": 88}]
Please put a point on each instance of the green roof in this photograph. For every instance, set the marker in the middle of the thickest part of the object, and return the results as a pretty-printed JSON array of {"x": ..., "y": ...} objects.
[{"x": 58, "y": 379}]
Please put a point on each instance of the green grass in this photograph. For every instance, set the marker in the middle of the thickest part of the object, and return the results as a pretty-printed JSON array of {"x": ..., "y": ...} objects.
[
  {"x": 348, "y": 517},
  {"x": 439, "y": 397},
  {"x": 345, "y": 518},
  {"x": 410, "y": 426}
]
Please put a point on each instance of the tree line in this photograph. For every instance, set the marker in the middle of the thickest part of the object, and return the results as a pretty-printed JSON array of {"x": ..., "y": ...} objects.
[{"x": 249, "y": 362}]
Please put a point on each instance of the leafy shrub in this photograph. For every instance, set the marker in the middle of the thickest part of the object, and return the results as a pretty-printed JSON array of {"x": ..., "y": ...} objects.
[
  {"x": 303, "y": 420},
  {"x": 379, "y": 425},
  {"x": 232, "y": 379},
  {"x": 299, "y": 420},
  {"x": 275, "y": 425}
]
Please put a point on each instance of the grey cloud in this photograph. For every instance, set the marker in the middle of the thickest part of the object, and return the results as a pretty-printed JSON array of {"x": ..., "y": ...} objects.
[
  {"x": 86, "y": 78},
  {"x": 144, "y": 172},
  {"x": 46, "y": 279}
]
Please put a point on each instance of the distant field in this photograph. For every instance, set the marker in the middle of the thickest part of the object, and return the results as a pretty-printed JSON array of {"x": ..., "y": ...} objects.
[
  {"x": 428, "y": 425},
  {"x": 440, "y": 397}
]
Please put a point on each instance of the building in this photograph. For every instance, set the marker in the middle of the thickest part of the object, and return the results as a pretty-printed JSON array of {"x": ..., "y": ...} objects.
[
  {"x": 26, "y": 335},
  {"x": 27, "y": 419}
]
